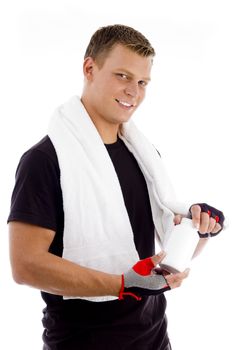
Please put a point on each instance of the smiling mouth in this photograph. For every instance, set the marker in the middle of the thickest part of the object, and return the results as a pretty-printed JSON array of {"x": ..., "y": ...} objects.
[{"x": 124, "y": 104}]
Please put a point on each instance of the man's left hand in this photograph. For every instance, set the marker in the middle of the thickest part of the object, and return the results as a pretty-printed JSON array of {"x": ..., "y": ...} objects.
[{"x": 208, "y": 220}]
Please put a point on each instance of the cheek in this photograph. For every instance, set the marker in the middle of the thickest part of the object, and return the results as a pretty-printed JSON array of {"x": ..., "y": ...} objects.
[
  {"x": 143, "y": 91},
  {"x": 106, "y": 89},
  {"x": 141, "y": 95}
]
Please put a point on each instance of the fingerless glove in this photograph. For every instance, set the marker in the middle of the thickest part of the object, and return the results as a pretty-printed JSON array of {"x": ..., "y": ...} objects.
[
  {"x": 214, "y": 213},
  {"x": 143, "y": 279}
]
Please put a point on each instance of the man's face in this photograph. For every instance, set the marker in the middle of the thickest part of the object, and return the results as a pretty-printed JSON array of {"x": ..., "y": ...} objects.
[{"x": 118, "y": 86}]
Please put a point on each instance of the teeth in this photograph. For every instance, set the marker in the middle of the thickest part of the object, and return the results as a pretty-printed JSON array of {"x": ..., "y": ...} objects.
[{"x": 124, "y": 103}]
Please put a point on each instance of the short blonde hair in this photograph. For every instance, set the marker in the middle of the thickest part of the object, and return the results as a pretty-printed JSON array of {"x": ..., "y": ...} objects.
[{"x": 105, "y": 38}]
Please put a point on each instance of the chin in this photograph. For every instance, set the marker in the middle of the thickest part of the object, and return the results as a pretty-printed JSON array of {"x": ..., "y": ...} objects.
[{"x": 125, "y": 118}]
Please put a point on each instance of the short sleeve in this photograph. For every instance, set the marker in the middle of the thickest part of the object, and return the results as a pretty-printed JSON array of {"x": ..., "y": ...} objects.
[{"x": 36, "y": 197}]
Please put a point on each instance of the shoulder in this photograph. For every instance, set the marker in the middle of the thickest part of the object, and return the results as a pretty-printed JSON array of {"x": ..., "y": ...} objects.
[
  {"x": 37, "y": 196},
  {"x": 40, "y": 156},
  {"x": 43, "y": 149}
]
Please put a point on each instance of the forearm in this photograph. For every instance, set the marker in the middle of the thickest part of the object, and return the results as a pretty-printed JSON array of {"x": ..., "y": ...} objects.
[{"x": 58, "y": 276}]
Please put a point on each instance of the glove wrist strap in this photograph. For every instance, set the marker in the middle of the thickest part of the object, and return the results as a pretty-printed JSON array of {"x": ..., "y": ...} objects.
[{"x": 122, "y": 293}]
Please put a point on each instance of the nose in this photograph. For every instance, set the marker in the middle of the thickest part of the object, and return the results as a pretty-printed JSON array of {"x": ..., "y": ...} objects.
[{"x": 131, "y": 89}]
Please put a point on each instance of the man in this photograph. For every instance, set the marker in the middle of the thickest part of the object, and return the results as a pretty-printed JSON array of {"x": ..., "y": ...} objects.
[{"x": 85, "y": 210}]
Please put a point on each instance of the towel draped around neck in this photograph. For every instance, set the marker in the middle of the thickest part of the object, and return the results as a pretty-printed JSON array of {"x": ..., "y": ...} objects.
[{"x": 97, "y": 230}]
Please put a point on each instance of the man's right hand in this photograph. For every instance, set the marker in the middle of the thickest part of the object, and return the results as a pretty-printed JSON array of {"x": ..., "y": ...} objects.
[{"x": 144, "y": 278}]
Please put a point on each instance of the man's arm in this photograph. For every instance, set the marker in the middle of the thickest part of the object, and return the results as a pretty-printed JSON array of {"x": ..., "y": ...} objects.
[{"x": 33, "y": 265}]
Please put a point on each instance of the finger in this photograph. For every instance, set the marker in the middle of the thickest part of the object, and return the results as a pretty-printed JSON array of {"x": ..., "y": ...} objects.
[
  {"x": 156, "y": 259},
  {"x": 204, "y": 224},
  {"x": 182, "y": 275},
  {"x": 177, "y": 219},
  {"x": 212, "y": 223},
  {"x": 216, "y": 228},
  {"x": 175, "y": 280},
  {"x": 196, "y": 215}
]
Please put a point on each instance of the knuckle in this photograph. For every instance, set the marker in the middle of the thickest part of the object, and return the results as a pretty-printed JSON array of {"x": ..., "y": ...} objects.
[
  {"x": 196, "y": 208},
  {"x": 205, "y": 216}
]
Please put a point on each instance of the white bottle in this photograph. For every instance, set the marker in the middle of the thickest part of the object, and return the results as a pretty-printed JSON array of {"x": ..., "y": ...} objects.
[{"x": 180, "y": 246}]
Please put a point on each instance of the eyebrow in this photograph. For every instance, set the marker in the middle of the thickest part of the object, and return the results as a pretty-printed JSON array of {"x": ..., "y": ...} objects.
[{"x": 131, "y": 74}]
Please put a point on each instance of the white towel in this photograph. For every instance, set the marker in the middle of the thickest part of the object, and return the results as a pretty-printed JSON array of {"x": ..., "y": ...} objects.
[{"x": 97, "y": 230}]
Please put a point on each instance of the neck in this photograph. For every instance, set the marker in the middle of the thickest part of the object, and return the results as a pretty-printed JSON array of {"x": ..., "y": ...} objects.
[{"x": 108, "y": 131}]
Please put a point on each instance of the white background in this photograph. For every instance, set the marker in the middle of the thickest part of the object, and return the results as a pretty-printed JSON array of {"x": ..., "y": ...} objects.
[{"x": 187, "y": 115}]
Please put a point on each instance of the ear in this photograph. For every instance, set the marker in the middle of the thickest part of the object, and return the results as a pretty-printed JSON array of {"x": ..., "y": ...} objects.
[{"x": 88, "y": 67}]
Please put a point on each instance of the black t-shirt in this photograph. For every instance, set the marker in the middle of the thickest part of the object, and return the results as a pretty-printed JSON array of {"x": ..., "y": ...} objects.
[{"x": 81, "y": 324}]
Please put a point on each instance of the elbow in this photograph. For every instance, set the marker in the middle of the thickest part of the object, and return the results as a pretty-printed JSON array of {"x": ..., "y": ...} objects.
[
  {"x": 19, "y": 270},
  {"x": 19, "y": 275},
  {"x": 17, "y": 279}
]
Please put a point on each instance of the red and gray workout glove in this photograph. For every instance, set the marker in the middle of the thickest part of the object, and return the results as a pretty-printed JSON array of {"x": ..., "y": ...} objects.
[
  {"x": 212, "y": 212},
  {"x": 143, "y": 279}
]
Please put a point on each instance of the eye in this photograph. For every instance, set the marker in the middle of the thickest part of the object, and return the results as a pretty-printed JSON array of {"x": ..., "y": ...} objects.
[
  {"x": 122, "y": 76},
  {"x": 143, "y": 83}
]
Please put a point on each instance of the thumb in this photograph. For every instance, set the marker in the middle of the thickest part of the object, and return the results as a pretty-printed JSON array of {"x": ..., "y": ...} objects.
[{"x": 156, "y": 259}]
